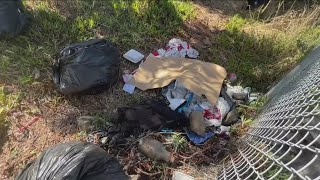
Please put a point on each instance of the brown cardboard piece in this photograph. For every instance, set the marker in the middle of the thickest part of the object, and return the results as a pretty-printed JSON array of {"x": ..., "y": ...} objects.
[{"x": 200, "y": 77}]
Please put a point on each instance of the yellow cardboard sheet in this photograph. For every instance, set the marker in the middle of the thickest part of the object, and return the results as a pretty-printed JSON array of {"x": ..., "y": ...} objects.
[{"x": 201, "y": 78}]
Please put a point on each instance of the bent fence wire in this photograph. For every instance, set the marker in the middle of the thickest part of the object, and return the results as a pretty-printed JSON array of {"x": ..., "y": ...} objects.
[{"x": 284, "y": 141}]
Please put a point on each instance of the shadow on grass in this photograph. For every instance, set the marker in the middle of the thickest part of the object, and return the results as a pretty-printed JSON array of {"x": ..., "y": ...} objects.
[
  {"x": 258, "y": 61},
  {"x": 143, "y": 25}
]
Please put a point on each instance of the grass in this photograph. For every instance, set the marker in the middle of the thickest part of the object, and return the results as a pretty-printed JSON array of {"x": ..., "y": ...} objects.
[
  {"x": 54, "y": 24},
  {"x": 179, "y": 142},
  {"x": 262, "y": 52},
  {"x": 8, "y": 100},
  {"x": 139, "y": 24},
  {"x": 129, "y": 24}
]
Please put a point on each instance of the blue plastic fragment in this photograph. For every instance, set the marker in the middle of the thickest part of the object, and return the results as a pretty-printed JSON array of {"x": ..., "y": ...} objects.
[
  {"x": 187, "y": 104},
  {"x": 196, "y": 138}
]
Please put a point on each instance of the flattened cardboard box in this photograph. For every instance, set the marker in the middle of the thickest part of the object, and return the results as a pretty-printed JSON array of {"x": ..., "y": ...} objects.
[{"x": 200, "y": 77}]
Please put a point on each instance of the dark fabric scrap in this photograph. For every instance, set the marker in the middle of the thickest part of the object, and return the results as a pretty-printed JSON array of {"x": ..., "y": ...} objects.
[{"x": 153, "y": 116}]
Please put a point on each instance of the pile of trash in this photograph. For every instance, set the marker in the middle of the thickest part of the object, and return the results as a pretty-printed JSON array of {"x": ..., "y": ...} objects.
[
  {"x": 189, "y": 122},
  {"x": 201, "y": 91},
  {"x": 198, "y": 103}
]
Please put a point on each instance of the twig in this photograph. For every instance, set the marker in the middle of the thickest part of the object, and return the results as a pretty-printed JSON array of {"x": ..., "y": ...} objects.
[
  {"x": 140, "y": 171},
  {"x": 195, "y": 153},
  {"x": 45, "y": 142},
  {"x": 26, "y": 127}
]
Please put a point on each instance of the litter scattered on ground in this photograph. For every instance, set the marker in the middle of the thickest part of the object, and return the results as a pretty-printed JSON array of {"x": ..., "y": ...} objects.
[
  {"x": 86, "y": 68},
  {"x": 177, "y": 48},
  {"x": 190, "y": 123},
  {"x": 197, "y": 124},
  {"x": 25, "y": 128},
  {"x": 195, "y": 138},
  {"x": 232, "y": 118},
  {"x": 225, "y": 129},
  {"x": 201, "y": 104},
  {"x": 181, "y": 176},
  {"x": 85, "y": 123},
  {"x": 129, "y": 88},
  {"x": 232, "y": 77},
  {"x": 153, "y": 116},
  {"x": 133, "y": 56},
  {"x": 215, "y": 114},
  {"x": 154, "y": 150}
]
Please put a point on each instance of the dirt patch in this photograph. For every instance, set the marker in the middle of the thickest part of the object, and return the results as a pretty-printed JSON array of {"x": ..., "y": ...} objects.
[
  {"x": 211, "y": 18},
  {"x": 24, "y": 144},
  {"x": 68, "y": 9}
]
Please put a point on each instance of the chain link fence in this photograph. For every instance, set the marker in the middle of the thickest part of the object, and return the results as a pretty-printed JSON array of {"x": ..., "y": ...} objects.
[{"x": 284, "y": 140}]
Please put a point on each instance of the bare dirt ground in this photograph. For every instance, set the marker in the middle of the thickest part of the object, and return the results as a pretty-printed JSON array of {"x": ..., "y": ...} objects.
[{"x": 57, "y": 114}]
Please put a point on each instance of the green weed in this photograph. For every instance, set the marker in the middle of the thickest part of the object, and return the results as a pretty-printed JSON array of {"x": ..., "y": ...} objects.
[
  {"x": 248, "y": 111},
  {"x": 236, "y": 23},
  {"x": 179, "y": 142},
  {"x": 101, "y": 123},
  {"x": 81, "y": 135},
  {"x": 283, "y": 175},
  {"x": 7, "y": 101}
]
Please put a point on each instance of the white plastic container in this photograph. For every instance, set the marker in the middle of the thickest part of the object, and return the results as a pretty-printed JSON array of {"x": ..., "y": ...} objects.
[{"x": 133, "y": 56}]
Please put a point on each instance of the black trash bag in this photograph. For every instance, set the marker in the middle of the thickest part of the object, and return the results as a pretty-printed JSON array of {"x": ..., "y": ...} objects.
[
  {"x": 13, "y": 20},
  {"x": 73, "y": 161},
  {"x": 86, "y": 68}
]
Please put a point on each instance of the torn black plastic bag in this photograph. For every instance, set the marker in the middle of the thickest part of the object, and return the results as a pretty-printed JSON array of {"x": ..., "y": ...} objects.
[
  {"x": 154, "y": 116},
  {"x": 73, "y": 161},
  {"x": 87, "y": 68},
  {"x": 13, "y": 20}
]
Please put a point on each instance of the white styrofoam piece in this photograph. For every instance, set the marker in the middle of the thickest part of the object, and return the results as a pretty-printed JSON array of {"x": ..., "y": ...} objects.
[{"x": 133, "y": 56}]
